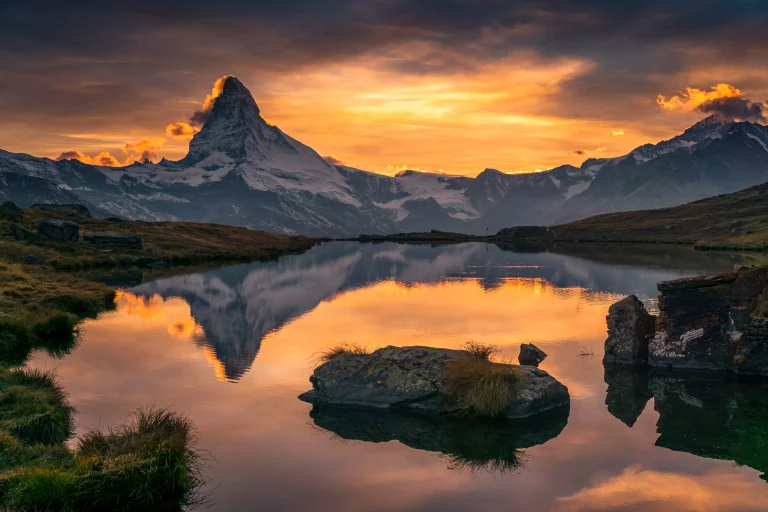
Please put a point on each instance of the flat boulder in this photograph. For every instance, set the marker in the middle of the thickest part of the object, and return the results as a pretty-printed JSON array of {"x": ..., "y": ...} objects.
[
  {"x": 31, "y": 259},
  {"x": 70, "y": 210},
  {"x": 531, "y": 355},
  {"x": 630, "y": 328},
  {"x": 9, "y": 210},
  {"x": 112, "y": 239},
  {"x": 413, "y": 379},
  {"x": 58, "y": 230}
]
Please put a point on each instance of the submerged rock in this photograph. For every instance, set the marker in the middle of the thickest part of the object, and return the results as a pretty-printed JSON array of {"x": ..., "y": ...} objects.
[
  {"x": 629, "y": 329},
  {"x": 9, "y": 210},
  {"x": 531, "y": 355},
  {"x": 71, "y": 210},
  {"x": 412, "y": 378},
  {"x": 59, "y": 230},
  {"x": 112, "y": 239}
]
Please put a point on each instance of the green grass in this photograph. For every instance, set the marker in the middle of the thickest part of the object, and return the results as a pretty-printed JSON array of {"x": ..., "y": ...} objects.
[
  {"x": 487, "y": 388},
  {"x": 149, "y": 464},
  {"x": 332, "y": 353}
]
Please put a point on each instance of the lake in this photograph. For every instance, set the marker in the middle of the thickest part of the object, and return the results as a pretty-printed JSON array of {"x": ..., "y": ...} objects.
[{"x": 233, "y": 347}]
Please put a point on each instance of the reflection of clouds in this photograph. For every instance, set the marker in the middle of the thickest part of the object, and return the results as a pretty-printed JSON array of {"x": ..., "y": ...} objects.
[{"x": 639, "y": 489}]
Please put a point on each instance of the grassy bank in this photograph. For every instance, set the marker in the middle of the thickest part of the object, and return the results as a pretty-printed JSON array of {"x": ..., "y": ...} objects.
[{"x": 170, "y": 243}]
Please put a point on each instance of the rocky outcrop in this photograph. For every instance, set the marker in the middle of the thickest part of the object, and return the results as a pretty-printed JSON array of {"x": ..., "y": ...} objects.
[
  {"x": 58, "y": 230},
  {"x": 629, "y": 328},
  {"x": 531, "y": 355},
  {"x": 70, "y": 210},
  {"x": 112, "y": 239},
  {"x": 712, "y": 322},
  {"x": 412, "y": 379},
  {"x": 31, "y": 259},
  {"x": 9, "y": 210}
]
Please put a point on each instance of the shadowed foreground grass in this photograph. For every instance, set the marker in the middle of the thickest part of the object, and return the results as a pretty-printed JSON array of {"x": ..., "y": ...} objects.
[
  {"x": 332, "y": 353},
  {"x": 150, "y": 464}
]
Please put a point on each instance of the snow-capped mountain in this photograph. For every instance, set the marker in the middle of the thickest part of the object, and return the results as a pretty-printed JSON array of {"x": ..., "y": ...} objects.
[
  {"x": 243, "y": 171},
  {"x": 712, "y": 157}
]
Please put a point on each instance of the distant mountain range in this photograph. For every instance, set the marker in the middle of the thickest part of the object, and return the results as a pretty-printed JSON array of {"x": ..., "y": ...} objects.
[{"x": 243, "y": 171}]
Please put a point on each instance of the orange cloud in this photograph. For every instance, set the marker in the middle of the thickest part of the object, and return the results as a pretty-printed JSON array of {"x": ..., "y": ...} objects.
[
  {"x": 334, "y": 160},
  {"x": 75, "y": 155},
  {"x": 692, "y": 98},
  {"x": 145, "y": 150},
  {"x": 616, "y": 133},
  {"x": 187, "y": 130},
  {"x": 103, "y": 158},
  {"x": 181, "y": 131}
]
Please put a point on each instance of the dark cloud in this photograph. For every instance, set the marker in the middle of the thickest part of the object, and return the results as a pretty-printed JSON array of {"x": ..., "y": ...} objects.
[
  {"x": 580, "y": 152},
  {"x": 738, "y": 109}
]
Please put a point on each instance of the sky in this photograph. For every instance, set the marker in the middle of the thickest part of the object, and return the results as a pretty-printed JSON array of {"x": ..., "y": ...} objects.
[{"x": 442, "y": 85}]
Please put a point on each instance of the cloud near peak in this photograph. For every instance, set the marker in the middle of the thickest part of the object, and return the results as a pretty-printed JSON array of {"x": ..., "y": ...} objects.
[
  {"x": 187, "y": 130},
  {"x": 103, "y": 158},
  {"x": 722, "y": 100}
]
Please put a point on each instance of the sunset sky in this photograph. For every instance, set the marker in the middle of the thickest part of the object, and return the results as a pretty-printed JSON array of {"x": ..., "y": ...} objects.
[{"x": 382, "y": 85}]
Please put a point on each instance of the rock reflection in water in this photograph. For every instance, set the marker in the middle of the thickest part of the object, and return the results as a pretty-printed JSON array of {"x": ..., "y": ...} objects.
[
  {"x": 472, "y": 445},
  {"x": 703, "y": 413}
]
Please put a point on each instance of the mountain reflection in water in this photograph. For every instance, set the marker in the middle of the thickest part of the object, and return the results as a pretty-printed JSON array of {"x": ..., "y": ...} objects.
[
  {"x": 236, "y": 307},
  {"x": 172, "y": 342}
]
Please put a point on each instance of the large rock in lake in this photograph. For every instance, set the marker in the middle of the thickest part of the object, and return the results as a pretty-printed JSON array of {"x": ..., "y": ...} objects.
[
  {"x": 714, "y": 321},
  {"x": 629, "y": 329},
  {"x": 531, "y": 355},
  {"x": 71, "y": 210},
  {"x": 112, "y": 239},
  {"x": 58, "y": 230},
  {"x": 412, "y": 379}
]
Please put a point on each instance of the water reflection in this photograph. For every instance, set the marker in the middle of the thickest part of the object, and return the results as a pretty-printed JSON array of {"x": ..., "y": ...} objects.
[
  {"x": 173, "y": 342},
  {"x": 707, "y": 414},
  {"x": 472, "y": 445},
  {"x": 236, "y": 307}
]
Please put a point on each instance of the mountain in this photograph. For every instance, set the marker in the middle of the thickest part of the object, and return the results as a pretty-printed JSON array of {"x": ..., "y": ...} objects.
[
  {"x": 736, "y": 220},
  {"x": 240, "y": 170},
  {"x": 712, "y": 157}
]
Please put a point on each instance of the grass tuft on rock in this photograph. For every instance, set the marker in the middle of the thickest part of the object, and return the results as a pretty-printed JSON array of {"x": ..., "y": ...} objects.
[
  {"x": 332, "y": 353},
  {"x": 488, "y": 388},
  {"x": 480, "y": 350}
]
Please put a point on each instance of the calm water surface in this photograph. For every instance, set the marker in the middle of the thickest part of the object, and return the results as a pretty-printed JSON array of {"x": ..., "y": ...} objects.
[{"x": 233, "y": 347}]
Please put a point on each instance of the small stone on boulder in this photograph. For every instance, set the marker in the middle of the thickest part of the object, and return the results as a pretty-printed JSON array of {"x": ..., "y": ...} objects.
[
  {"x": 31, "y": 259},
  {"x": 531, "y": 355},
  {"x": 71, "y": 210},
  {"x": 59, "y": 230},
  {"x": 9, "y": 210},
  {"x": 113, "y": 239},
  {"x": 629, "y": 329}
]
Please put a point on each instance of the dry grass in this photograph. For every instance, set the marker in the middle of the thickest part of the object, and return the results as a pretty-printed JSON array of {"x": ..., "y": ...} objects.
[
  {"x": 480, "y": 350},
  {"x": 331, "y": 353},
  {"x": 488, "y": 388},
  {"x": 176, "y": 243}
]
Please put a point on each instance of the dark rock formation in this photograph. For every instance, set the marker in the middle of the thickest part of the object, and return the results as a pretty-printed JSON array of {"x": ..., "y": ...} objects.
[
  {"x": 629, "y": 328},
  {"x": 712, "y": 322},
  {"x": 71, "y": 210},
  {"x": 411, "y": 378},
  {"x": 9, "y": 210},
  {"x": 531, "y": 355},
  {"x": 495, "y": 446},
  {"x": 22, "y": 234},
  {"x": 31, "y": 259},
  {"x": 112, "y": 239},
  {"x": 58, "y": 230}
]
